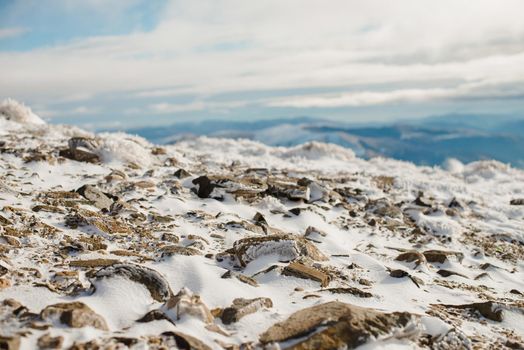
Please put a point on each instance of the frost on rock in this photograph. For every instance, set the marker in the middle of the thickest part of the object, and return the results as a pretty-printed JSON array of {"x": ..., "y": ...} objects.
[
  {"x": 286, "y": 247},
  {"x": 124, "y": 148},
  {"x": 18, "y": 112}
]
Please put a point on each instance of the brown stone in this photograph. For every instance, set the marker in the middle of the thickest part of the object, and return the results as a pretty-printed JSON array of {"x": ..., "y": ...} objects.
[
  {"x": 300, "y": 270},
  {"x": 74, "y": 315},
  {"x": 93, "y": 263},
  {"x": 335, "y": 325},
  {"x": 46, "y": 341},
  {"x": 412, "y": 256},
  {"x": 10, "y": 343},
  {"x": 4, "y": 283},
  {"x": 79, "y": 155},
  {"x": 440, "y": 256}
]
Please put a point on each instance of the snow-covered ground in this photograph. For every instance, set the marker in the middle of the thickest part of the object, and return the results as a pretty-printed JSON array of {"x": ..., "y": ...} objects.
[{"x": 156, "y": 255}]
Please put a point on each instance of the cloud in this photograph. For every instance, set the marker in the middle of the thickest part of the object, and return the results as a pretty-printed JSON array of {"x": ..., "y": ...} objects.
[
  {"x": 170, "y": 108},
  {"x": 478, "y": 90},
  {"x": 417, "y": 50},
  {"x": 12, "y": 32}
]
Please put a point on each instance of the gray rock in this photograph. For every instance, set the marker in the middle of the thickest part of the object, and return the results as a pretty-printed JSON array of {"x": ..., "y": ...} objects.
[{"x": 242, "y": 307}]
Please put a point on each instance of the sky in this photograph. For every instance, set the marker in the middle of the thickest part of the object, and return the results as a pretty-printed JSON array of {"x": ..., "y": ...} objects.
[{"x": 122, "y": 63}]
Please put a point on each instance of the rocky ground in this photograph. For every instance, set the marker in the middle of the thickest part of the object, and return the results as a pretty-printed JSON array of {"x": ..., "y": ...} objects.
[{"x": 107, "y": 241}]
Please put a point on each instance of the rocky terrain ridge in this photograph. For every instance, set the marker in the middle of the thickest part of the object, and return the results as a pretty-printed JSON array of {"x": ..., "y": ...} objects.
[{"x": 110, "y": 242}]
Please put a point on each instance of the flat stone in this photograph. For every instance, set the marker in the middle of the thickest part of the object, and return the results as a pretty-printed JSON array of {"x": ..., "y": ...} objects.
[
  {"x": 488, "y": 309},
  {"x": 348, "y": 290},
  {"x": 447, "y": 273},
  {"x": 74, "y": 315},
  {"x": 242, "y": 307},
  {"x": 79, "y": 155},
  {"x": 299, "y": 270},
  {"x": 336, "y": 325},
  {"x": 100, "y": 199},
  {"x": 93, "y": 263},
  {"x": 412, "y": 256},
  {"x": 440, "y": 256},
  {"x": 179, "y": 250}
]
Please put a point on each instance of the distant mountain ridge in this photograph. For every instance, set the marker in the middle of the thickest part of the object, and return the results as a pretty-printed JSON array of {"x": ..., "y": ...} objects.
[{"x": 428, "y": 141}]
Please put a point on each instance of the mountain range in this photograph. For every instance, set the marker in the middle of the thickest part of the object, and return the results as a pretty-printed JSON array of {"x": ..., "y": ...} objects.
[{"x": 427, "y": 141}]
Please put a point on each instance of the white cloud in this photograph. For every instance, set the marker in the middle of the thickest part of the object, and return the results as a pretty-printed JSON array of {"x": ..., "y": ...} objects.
[
  {"x": 12, "y": 32},
  {"x": 169, "y": 108},
  {"x": 292, "y": 44}
]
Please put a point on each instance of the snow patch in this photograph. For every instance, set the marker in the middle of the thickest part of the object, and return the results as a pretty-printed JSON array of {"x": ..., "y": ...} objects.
[{"x": 18, "y": 112}]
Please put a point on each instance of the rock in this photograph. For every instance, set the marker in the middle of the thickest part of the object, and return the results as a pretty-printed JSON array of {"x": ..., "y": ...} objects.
[
  {"x": 243, "y": 307},
  {"x": 456, "y": 204},
  {"x": 383, "y": 208},
  {"x": 181, "y": 173},
  {"x": 183, "y": 341},
  {"x": 205, "y": 186},
  {"x": 4, "y": 283},
  {"x": 105, "y": 223},
  {"x": 144, "y": 184},
  {"x": 93, "y": 263},
  {"x": 398, "y": 273},
  {"x": 74, "y": 315},
  {"x": 488, "y": 309},
  {"x": 260, "y": 219},
  {"x": 348, "y": 290},
  {"x": 422, "y": 202},
  {"x": 79, "y": 155},
  {"x": 9, "y": 343},
  {"x": 242, "y": 278},
  {"x": 447, "y": 273},
  {"x": 88, "y": 143},
  {"x": 401, "y": 274},
  {"x": 288, "y": 247},
  {"x": 116, "y": 175},
  {"x": 100, "y": 199},
  {"x": 154, "y": 315},
  {"x": 336, "y": 325},
  {"x": 187, "y": 303},
  {"x": 411, "y": 256},
  {"x": 151, "y": 279},
  {"x": 295, "y": 211},
  {"x": 179, "y": 250},
  {"x": 48, "y": 209},
  {"x": 519, "y": 201},
  {"x": 440, "y": 256},
  {"x": 291, "y": 191},
  {"x": 46, "y": 341},
  {"x": 310, "y": 231},
  {"x": 299, "y": 270}
]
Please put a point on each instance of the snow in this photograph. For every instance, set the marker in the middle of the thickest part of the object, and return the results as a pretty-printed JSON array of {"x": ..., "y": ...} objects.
[
  {"x": 18, "y": 112},
  {"x": 484, "y": 187}
]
